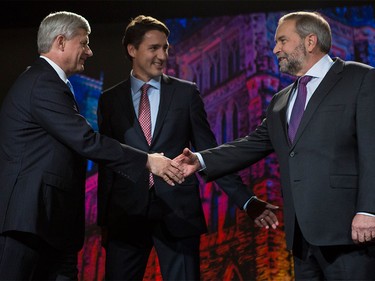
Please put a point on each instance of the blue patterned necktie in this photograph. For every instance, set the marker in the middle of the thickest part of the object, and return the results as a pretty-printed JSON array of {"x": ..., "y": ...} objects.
[
  {"x": 298, "y": 107},
  {"x": 70, "y": 86}
]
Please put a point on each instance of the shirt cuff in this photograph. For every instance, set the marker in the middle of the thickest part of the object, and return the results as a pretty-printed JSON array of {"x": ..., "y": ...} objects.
[
  {"x": 248, "y": 201},
  {"x": 366, "y": 214},
  {"x": 201, "y": 161}
]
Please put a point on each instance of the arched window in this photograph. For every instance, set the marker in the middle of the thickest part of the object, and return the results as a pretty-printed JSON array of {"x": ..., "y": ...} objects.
[
  {"x": 234, "y": 59},
  {"x": 212, "y": 75},
  {"x": 230, "y": 65},
  {"x": 235, "y": 122},
  {"x": 215, "y": 70},
  {"x": 237, "y": 55},
  {"x": 224, "y": 136},
  {"x": 218, "y": 73},
  {"x": 198, "y": 76}
]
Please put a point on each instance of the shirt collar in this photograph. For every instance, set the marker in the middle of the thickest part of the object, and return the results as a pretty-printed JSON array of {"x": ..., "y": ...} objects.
[
  {"x": 320, "y": 69},
  {"x": 57, "y": 68},
  {"x": 136, "y": 83}
]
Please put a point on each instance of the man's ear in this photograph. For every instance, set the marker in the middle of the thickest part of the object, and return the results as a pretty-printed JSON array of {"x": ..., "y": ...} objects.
[
  {"x": 131, "y": 50},
  {"x": 60, "y": 42},
  {"x": 311, "y": 41}
]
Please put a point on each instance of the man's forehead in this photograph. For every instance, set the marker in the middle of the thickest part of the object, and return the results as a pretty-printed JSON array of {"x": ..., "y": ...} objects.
[{"x": 285, "y": 28}]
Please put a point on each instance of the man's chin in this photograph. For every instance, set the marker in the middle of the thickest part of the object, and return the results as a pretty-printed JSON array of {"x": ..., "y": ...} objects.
[
  {"x": 283, "y": 69},
  {"x": 158, "y": 71},
  {"x": 282, "y": 65},
  {"x": 80, "y": 68}
]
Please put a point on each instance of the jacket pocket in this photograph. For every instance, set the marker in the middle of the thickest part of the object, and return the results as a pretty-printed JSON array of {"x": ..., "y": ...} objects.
[
  {"x": 63, "y": 203},
  {"x": 56, "y": 181}
]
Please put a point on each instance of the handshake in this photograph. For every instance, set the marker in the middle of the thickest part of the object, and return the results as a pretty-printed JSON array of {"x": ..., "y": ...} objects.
[
  {"x": 185, "y": 164},
  {"x": 173, "y": 171}
]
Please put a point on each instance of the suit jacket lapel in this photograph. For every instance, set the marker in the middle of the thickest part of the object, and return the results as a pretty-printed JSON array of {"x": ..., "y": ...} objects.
[
  {"x": 45, "y": 64},
  {"x": 283, "y": 106},
  {"x": 328, "y": 82},
  {"x": 126, "y": 101},
  {"x": 166, "y": 95}
]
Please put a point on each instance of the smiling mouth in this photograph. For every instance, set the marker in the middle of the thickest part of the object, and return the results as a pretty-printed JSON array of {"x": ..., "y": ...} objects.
[
  {"x": 82, "y": 62},
  {"x": 159, "y": 64}
]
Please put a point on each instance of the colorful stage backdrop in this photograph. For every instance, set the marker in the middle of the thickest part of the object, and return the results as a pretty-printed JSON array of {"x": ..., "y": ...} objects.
[{"x": 231, "y": 60}]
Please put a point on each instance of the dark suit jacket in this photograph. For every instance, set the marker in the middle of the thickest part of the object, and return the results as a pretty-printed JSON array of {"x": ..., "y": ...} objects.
[
  {"x": 43, "y": 145},
  {"x": 181, "y": 122},
  {"x": 327, "y": 174}
]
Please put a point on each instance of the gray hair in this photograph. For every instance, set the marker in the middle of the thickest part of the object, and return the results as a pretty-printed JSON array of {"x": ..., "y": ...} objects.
[
  {"x": 59, "y": 23},
  {"x": 311, "y": 22}
]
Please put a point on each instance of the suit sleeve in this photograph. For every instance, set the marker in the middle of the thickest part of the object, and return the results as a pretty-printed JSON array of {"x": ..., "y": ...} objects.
[
  {"x": 238, "y": 154},
  {"x": 54, "y": 109},
  {"x": 203, "y": 138},
  {"x": 105, "y": 175}
]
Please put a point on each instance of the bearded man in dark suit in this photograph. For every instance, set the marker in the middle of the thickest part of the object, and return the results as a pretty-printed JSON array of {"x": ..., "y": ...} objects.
[{"x": 326, "y": 156}]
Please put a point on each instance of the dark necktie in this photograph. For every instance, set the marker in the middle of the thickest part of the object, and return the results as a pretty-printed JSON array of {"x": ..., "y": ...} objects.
[
  {"x": 144, "y": 117},
  {"x": 298, "y": 107}
]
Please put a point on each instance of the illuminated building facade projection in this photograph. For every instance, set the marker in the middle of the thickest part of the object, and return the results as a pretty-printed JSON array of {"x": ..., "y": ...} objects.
[
  {"x": 91, "y": 259},
  {"x": 231, "y": 60}
]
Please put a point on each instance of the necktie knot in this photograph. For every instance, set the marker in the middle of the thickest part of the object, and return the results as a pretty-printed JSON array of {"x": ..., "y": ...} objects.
[
  {"x": 145, "y": 88},
  {"x": 304, "y": 80}
]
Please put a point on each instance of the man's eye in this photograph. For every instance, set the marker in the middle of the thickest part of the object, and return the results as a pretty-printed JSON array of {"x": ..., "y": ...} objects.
[{"x": 85, "y": 44}]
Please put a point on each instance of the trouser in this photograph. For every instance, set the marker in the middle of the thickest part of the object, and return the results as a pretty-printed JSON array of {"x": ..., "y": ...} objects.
[
  {"x": 127, "y": 252},
  {"x": 340, "y": 262}
]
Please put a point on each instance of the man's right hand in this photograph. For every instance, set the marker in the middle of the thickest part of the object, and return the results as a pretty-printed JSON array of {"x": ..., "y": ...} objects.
[
  {"x": 188, "y": 162},
  {"x": 165, "y": 168}
]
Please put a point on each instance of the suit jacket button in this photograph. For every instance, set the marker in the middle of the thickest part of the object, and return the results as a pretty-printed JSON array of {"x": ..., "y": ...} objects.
[{"x": 292, "y": 154}]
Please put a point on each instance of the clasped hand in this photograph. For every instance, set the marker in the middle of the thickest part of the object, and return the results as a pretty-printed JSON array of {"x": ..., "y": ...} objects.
[
  {"x": 188, "y": 162},
  {"x": 173, "y": 171},
  {"x": 165, "y": 168}
]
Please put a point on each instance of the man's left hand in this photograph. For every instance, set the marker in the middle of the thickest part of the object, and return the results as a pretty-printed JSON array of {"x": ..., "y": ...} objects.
[{"x": 261, "y": 212}]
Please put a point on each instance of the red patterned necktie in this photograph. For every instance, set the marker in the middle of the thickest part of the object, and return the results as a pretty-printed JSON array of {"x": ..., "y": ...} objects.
[
  {"x": 144, "y": 117},
  {"x": 298, "y": 107}
]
